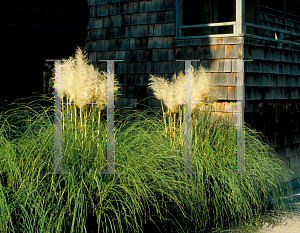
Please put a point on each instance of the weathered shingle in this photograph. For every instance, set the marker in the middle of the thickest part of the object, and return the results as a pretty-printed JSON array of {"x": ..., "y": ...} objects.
[
  {"x": 112, "y": 21},
  {"x": 142, "y": 33},
  {"x": 102, "y": 10},
  {"x": 140, "y": 18},
  {"x": 162, "y": 17},
  {"x": 231, "y": 51},
  {"x": 163, "y": 5},
  {"x": 163, "y": 54},
  {"x": 155, "y": 54},
  {"x": 218, "y": 51},
  {"x": 116, "y": 9}
]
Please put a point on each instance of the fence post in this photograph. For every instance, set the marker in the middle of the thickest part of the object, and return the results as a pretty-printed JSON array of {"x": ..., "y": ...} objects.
[
  {"x": 57, "y": 121},
  {"x": 110, "y": 119},
  {"x": 240, "y": 97},
  {"x": 188, "y": 120}
]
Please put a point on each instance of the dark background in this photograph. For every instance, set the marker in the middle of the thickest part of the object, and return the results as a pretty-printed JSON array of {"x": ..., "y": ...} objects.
[{"x": 33, "y": 31}]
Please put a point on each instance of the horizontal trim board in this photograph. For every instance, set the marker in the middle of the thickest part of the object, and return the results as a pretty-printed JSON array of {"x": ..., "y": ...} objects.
[
  {"x": 205, "y": 36},
  {"x": 208, "y": 25},
  {"x": 272, "y": 29},
  {"x": 274, "y": 40}
]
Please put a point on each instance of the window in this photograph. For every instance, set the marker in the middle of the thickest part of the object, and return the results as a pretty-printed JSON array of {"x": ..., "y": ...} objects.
[
  {"x": 281, "y": 6},
  {"x": 190, "y": 12}
]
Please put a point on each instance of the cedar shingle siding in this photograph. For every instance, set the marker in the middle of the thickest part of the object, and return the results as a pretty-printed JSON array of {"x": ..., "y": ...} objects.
[{"x": 144, "y": 35}]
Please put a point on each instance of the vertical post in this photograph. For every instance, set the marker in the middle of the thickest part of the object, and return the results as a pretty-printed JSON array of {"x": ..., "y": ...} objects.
[
  {"x": 258, "y": 13},
  {"x": 179, "y": 20},
  {"x": 240, "y": 27},
  {"x": 284, "y": 10},
  {"x": 215, "y": 15},
  {"x": 240, "y": 97},
  {"x": 240, "y": 117},
  {"x": 188, "y": 120},
  {"x": 110, "y": 119},
  {"x": 57, "y": 121}
]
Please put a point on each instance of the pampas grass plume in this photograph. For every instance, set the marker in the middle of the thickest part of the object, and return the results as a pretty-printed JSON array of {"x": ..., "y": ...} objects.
[
  {"x": 203, "y": 88},
  {"x": 173, "y": 93},
  {"x": 82, "y": 84}
]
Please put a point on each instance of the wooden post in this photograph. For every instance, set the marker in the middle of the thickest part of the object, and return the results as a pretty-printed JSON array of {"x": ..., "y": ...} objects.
[
  {"x": 240, "y": 98},
  {"x": 179, "y": 19},
  {"x": 215, "y": 14},
  {"x": 240, "y": 27},
  {"x": 284, "y": 10},
  {"x": 57, "y": 121},
  {"x": 257, "y": 30},
  {"x": 188, "y": 120},
  {"x": 110, "y": 118}
]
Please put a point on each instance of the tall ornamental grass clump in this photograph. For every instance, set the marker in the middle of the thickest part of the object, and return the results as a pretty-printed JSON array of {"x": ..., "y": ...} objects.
[
  {"x": 82, "y": 85},
  {"x": 148, "y": 196},
  {"x": 172, "y": 95}
]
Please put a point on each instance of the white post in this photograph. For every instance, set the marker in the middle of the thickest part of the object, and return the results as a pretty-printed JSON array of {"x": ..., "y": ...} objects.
[
  {"x": 240, "y": 97},
  {"x": 57, "y": 121},
  {"x": 188, "y": 120},
  {"x": 240, "y": 27},
  {"x": 110, "y": 118}
]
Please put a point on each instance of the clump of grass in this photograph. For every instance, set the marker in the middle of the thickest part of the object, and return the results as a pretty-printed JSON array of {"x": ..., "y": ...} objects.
[
  {"x": 82, "y": 85},
  {"x": 172, "y": 94},
  {"x": 148, "y": 191}
]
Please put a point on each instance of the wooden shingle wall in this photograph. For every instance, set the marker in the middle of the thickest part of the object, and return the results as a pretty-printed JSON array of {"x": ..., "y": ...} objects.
[
  {"x": 273, "y": 96},
  {"x": 141, "y": 33},
  {"x": 277, "y": 22},
  {"x": 215, "y": 56}
]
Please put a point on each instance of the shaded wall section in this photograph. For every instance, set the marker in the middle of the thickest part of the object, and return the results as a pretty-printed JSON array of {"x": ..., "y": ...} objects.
[
  {"x": 273, "y": 96},
  {"x": 142, "y": 34}
]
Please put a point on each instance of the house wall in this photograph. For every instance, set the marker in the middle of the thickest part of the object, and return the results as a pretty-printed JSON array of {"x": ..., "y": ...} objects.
[
  {"x": 142, "y": 34},
  {"x": 139, "y": 32},
  {"x": 272, "y": 86},
  {"x": 277, "y": 22}
]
